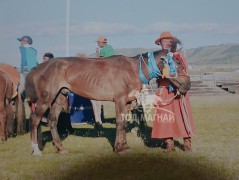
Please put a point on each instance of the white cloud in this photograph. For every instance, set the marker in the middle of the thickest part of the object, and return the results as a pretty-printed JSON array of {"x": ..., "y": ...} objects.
[
  {"x": 101, "y": 28},
  {"x": 96, "y": 28},
  {"x": 92, "y": 28}
]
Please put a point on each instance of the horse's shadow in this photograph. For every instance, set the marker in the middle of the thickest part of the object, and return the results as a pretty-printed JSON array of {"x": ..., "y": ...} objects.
[
  {"x": 108, "y": 133},
  {"x": 143, "y": 132}
]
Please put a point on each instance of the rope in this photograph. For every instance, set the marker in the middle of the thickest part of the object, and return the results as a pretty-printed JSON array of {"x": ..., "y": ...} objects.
[
  {"x": 167, "y": 101},
  {"x": 155, "y": 71},
  {"x": 149, "y": 67}
]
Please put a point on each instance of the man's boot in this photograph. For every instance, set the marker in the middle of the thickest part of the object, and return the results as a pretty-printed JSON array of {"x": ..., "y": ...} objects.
[
  {"x": 169, "y": 145},
  {"x": 187, "y": 144}
]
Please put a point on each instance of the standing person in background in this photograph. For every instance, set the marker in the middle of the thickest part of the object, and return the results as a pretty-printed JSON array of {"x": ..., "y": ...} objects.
[
  {"x": 47, "y": 56},
  {"x": 104, "y": 52},
  {"x": 28, "y": 54},
  {"x": 28, "y": 61},
  {"x": 105, "y": 49},
  {"x": 173, "y": 115}
]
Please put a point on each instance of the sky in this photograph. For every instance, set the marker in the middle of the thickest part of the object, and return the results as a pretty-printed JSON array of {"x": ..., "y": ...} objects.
[{"x": 125, "y": 23}]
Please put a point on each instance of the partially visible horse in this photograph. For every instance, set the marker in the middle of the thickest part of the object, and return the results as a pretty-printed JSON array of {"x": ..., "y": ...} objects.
[
  {"x": 9, "y": 93},
  {"x": 113, "y": 79},
  {"x": 5, "y": 98}
]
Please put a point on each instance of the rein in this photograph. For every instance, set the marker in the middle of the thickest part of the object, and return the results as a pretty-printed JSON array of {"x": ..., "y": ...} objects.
[
  {"x": 167, "y": 101},
  {"x": 154, "y": 72}
]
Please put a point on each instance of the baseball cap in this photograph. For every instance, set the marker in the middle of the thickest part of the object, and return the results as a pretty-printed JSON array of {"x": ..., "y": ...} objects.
[
  {"x": 102, "y": 39},
  {"x": 49, "y": 55},
  {"x": 25, "y": 38}
]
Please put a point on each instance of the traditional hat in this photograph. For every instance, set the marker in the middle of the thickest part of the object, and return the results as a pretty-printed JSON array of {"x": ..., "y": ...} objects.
[
  {"x": 164, "y": 35},
  {"x": 102, "y": 39}
]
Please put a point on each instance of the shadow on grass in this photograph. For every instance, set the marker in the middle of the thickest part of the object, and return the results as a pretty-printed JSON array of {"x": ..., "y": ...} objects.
[
  {"x": 108, "y": 133},
  {"x": 140, "y": 166},
  {"x": 143, "y": 132}
]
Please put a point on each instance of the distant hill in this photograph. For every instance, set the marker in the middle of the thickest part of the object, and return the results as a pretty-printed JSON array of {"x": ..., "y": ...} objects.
[{"x": 217, "y": 54}]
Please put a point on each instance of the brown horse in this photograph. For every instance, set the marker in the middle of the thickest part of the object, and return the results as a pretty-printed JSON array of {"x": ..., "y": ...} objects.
[
  {"x": 6, "y": 90},
  {"x": 113, "y": 79},
  {"x": 9, "y": 93}
]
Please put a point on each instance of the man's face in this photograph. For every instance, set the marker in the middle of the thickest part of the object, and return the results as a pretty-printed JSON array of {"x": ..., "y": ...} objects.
[
  {"x": 23, "y": 42},
  {"x": 101, "y": 44},
  {"x": 166, "y": 43}
]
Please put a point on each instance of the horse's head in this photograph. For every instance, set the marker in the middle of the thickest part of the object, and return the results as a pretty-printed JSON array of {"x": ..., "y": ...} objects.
[{"x": 182, "y": 80}]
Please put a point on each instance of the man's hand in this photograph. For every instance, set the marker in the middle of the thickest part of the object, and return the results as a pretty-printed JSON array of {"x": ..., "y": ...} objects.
[{"x": 97, "y": 52}]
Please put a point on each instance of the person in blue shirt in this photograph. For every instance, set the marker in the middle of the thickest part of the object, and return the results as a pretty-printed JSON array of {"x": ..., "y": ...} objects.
[{"x": 28, "y": 54}]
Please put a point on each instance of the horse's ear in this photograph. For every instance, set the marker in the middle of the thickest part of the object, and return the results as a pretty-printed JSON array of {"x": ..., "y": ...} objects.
[
  {"x": 175, "y": 42},
  {"x": 145, "y": 55}
]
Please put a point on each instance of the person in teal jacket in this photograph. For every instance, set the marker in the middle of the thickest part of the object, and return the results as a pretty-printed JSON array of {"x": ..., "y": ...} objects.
[{"x": 28, "y": 54}]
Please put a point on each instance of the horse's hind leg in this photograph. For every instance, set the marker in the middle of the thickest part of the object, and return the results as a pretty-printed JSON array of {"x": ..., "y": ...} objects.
[
  {"x": 3, "y": 117},
  {"x": 35, "y": 119},
  {"x": 53, "y": 119},
  {"x": 10, "y": 124}
]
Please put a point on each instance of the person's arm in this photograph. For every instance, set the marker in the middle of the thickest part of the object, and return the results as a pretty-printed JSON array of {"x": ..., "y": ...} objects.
[
  {"x": 182, "y": 80},
  {"x": 97, "y": 52}
]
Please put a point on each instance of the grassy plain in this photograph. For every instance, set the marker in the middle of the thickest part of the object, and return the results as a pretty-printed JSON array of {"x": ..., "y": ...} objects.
[{"x": 214, "y": 156}]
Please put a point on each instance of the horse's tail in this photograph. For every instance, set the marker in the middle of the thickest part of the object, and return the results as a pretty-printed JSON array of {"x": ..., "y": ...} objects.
[
  {"x": 9, "y": 90},
  {"x": 30, "y": 89}
]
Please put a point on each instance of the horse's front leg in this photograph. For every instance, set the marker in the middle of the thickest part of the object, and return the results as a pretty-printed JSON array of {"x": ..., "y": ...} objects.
[
  {"x": 53, "y": 119},
  {"x": 121, "y": 127}
]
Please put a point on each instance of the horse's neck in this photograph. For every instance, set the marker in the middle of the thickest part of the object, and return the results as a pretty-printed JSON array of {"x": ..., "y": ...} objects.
[{"x": 145, "y": 65}]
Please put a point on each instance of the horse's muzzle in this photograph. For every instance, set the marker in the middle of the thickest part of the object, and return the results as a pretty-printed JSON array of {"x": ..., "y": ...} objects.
[{"x": 182, "y": 83}]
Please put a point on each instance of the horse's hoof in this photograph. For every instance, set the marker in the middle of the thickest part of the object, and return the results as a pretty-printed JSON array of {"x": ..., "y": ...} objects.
[
  {"x": 37, "y": 153},
  {"x": 135, "y": 130},
  {"x": 3, "y": 138},
  {"x": 122, "y": 149},
  {"x": 20, "y": 132},
  {"x": 11, "y": 136},
  {"x": 63, "y": 152},
  {"x": 100, "y": 133},
  {"x": 126, "y": 151}
]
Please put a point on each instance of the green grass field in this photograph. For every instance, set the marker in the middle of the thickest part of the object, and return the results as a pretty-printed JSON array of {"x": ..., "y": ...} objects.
[{"x": 214, "y": 156}]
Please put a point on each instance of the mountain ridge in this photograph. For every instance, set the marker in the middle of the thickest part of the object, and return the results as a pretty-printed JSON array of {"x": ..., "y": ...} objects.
[{"x": 213, "y": 54}]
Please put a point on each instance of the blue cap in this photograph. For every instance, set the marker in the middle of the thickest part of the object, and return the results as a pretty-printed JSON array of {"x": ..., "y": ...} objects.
[{"x": 25, "y": 38}]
